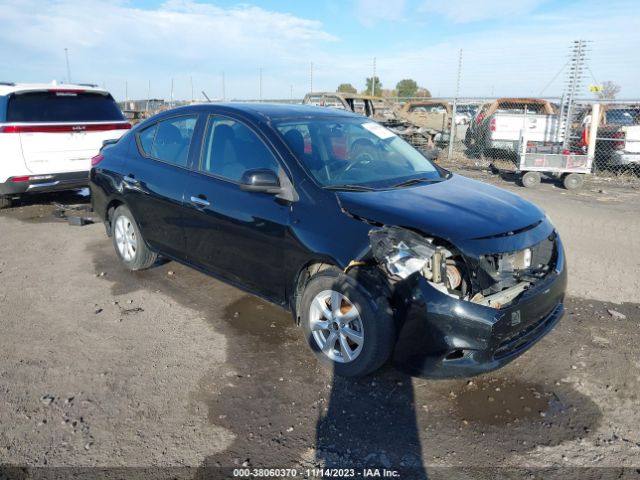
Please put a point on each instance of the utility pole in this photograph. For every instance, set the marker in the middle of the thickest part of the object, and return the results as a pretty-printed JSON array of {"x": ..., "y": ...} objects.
[
  {"x": 223, "y": 88},
  {"x": 171, "y": 104},
  {"x": 126, "y": 91},
  {"x": 191, "y": 81},
  {"x": 261, "y": 84},
  {"x": 311, "y": 89},
  {"x": 452, "y": 130},
  {"x": 148, "y": 97},
  {"x": 373, "y": 79},
  {"x": 574, "y": 83},
  {"x": 66, "y": 55}
]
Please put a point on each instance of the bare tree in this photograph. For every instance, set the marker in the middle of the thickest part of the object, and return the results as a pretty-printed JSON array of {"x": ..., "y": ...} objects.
[{"x": 609, "y": 90}]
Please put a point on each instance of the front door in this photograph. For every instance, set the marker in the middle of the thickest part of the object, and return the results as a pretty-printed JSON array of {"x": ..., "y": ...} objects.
[{"x": 236, "y": 234}]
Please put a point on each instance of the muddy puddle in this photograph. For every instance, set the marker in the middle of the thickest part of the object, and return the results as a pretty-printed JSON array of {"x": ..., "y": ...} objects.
[
  {"x": 249, "y": 315},
  {"x": 503, "y": 401}
]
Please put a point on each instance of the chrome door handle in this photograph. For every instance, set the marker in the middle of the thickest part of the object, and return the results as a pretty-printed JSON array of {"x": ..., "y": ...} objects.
[
  {"x": 200, "y": 202},
  {"x": 129, "y": 179}
]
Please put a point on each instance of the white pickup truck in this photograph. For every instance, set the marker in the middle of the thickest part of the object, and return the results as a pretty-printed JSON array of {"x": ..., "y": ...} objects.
[
  {"x": 618, "y": 142},
  {"x": 498, "y": 125}
]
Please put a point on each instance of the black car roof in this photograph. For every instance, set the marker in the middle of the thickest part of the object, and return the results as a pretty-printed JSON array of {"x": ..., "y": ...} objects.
[{"x": 271, "y": 111}]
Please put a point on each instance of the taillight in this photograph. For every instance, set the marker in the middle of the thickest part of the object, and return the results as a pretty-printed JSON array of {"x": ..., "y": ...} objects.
[
  {"x": 479, "y": 118},
  {"x": 20, "y": 179},
  {"x": 97, "y": 159},
  {"x": 619, "y": 145},
  {"x": 64, "y": 128},
  {"x": 493, "y": 124}
]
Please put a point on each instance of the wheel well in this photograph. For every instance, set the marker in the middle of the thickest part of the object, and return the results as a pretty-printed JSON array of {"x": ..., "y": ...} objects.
[
  {"x": 109, "y": 214},
  {"x": 305, "y": 273},
  {"x": 368, "y": 276}
]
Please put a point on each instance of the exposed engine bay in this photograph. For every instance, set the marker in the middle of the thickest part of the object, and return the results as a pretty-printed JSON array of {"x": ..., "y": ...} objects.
[{"x": 494, "y": 280}]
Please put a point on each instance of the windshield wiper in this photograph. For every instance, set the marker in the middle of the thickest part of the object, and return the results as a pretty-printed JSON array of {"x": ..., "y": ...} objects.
[
  {"x": 414, "y": 181},
  {"x": 349, "y": 188}
]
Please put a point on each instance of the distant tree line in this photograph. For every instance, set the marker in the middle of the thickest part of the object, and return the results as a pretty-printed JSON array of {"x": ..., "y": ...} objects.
[{"x": 404, "y": 88}]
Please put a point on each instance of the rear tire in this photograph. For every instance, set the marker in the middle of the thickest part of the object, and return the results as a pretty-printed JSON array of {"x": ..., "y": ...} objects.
[
  {"x": 573, "y": 181},
  {"x": 5, "y": 202},
  {"x": 531, "y": 179},
  {"x": 128, "y": 242},
  {"x": 354, "y": 337}
]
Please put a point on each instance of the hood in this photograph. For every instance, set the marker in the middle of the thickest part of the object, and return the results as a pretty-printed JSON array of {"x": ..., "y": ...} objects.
[{"x": 457, "y": 209}]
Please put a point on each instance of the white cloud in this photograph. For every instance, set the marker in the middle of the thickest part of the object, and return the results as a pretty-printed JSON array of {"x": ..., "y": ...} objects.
[
  {"x": 464, "y": 11},
  {"x": 371, "y": 12},
  {"x": 115, "y": 42},
  {"x": 516, "y": 58}
]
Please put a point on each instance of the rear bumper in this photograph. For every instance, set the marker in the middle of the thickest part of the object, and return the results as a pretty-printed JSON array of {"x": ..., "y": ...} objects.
[
  {"x": 443, "y": 337},
  {"x": 507, "y": 145},
  {"x": 53, "y": 182}
]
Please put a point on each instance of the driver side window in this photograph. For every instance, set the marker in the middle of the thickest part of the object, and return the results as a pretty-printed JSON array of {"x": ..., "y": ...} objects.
[{"x": 231, "y": 148}]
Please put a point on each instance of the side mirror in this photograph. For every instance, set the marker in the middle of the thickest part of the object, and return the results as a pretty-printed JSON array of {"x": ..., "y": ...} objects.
[{"x": 260, "y": 180}]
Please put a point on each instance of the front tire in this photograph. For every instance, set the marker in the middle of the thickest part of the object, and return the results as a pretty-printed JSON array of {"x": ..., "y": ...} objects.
[
  {"x": 128, "y": 242},
  {"x": 346, "y": 327},
  {"x": 573, "y": 181},
  {"x": 531, "y": 179}
]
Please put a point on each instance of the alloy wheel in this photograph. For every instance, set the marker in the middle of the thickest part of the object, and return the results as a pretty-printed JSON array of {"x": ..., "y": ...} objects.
[
  {"x": 336, "y": 326},
  {"x": 126, "y": 239}
]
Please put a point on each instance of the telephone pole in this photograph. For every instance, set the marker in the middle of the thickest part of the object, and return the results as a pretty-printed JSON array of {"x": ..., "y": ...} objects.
[
  {"x": 452, "y": 130},
  {"x": 373, "y": 79},
  {"x": 66, "y": 56},
  {"x": 311, "y": 77},
  {"x": 261, "y": 84}
]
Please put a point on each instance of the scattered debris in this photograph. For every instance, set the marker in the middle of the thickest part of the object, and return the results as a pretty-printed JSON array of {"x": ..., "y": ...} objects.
[
  {"x": 615, "y": 314},
  {"x": 131, "y": 311},
  {"x": 80, "y": 221},
  {"x": 47, "y": 399}
]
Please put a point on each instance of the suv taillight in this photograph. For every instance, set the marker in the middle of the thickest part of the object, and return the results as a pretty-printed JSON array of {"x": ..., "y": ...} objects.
[
  {"x": 493, "y": 124},
  {"x": 479, "y": 118},
  {"x": 97, "y": 159}
]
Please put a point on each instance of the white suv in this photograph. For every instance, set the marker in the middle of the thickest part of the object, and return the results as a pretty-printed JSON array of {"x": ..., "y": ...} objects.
[{"x": 49, "y": 133}]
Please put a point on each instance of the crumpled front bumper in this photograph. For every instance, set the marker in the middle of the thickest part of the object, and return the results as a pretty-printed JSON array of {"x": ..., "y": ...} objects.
[{"x": 443, "y": 337}]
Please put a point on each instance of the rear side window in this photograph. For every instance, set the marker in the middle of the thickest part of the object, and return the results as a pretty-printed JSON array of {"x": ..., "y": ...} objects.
[
  {"x": 169, "y": 140},
  {"x": 62, "y": 106}
]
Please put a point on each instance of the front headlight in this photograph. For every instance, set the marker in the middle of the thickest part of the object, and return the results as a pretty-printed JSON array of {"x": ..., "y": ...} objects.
[{"x": 401, "y": 251}]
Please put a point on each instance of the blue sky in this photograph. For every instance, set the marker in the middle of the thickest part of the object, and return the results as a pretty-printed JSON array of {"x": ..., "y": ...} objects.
[{"x": 510, "y": 47}]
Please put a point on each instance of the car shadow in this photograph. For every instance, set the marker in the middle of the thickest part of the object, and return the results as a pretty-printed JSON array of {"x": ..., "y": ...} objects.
[{"x": 370, "y": 423}]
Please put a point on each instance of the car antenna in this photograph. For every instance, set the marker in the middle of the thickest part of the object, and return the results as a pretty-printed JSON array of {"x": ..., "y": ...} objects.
[{"x": 205, "y": 96}]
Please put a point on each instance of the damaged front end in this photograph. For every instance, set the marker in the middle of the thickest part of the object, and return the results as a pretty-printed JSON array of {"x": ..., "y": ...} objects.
[{"x": 462, "y": 313}]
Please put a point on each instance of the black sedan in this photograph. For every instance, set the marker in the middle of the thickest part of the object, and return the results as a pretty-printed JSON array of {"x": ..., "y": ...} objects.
[{"x": 377, "y": 252}]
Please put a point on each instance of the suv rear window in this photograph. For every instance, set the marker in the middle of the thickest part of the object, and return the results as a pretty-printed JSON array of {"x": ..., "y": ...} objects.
[{"x": 62, "y": 107}]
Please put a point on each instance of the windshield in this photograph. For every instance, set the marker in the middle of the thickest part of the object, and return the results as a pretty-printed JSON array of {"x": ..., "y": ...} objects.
[{"x": 340, "y": 152}]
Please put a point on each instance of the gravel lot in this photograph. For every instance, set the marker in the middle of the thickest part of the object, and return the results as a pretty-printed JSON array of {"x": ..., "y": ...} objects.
[{"x": 169, "y": 368}]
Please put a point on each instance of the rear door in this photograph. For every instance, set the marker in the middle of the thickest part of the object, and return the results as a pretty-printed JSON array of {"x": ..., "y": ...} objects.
[
  {"x": 155, "y": 178},
  {"x": 60, "y": 130}
]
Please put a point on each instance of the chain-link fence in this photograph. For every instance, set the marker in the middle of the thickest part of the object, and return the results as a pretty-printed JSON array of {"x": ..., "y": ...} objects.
[{"x": 548, "y": 135}]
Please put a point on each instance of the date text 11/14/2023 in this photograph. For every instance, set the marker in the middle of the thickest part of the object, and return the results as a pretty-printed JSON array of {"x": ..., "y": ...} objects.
[{"x": 315, "y": 472}]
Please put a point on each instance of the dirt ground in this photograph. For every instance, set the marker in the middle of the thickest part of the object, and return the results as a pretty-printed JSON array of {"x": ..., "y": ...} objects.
[{"x": 177, "y": 374}]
